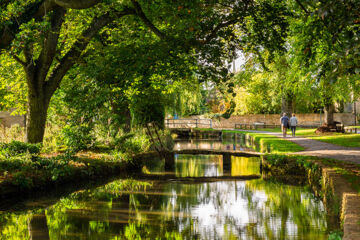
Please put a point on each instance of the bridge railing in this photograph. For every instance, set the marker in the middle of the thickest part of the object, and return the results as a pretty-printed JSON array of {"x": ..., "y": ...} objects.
[{"x": 188, "y": 123}]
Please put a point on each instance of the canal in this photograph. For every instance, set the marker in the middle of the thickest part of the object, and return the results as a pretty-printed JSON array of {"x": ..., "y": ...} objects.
[{"x": 135, "y": 208}]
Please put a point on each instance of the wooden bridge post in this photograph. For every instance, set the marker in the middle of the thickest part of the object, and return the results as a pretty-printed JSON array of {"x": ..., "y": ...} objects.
[
  {"x": 226, "y": 164},
  {"x": 169, "y": 161}
]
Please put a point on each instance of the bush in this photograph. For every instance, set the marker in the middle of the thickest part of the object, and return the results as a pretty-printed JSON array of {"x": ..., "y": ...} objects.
[
  {"x": 77, "y": 138},
  {"x": 118, "y": 141},
  {"x": 16, "y": 148},
  {"x": 134, "y": 144}
]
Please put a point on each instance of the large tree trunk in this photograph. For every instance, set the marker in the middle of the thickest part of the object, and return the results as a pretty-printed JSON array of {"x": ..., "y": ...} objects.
[
  {"x": 38, "y": 105},
  {"x": 329, "y": 114},
  {"x": 42, "y": 83},
  {"x": 287, "y": 104}
]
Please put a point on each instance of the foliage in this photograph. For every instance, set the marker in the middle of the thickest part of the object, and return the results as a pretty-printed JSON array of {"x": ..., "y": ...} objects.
[
  {"x": 76, "y": 138},
  {"x": 129, "y": 145},
  {"x": 15, "y": 148},
  {"x": 336, "y": 235},
  {"x": 276, "y": 159},
  {"x": 157, "y": 50},
  {"x": 147, "y": 108},
  {"x": 13, "y": 89}
]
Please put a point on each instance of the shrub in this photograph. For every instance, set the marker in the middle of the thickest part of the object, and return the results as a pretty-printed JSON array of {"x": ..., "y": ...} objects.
[
  {"x": 77, "y": 138},
  {"x": 16, "y": 148}
]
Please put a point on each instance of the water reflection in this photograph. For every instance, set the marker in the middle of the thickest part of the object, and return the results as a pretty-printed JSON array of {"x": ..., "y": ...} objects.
[
  {"x": 131, "y": 209},
  {"x": 127, "y": 209},
  {"x": 215, "y": 165}
]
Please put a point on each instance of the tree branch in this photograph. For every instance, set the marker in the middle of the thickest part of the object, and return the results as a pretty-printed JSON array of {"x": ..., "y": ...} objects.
[
  {"x": 5, "y": 3},
  {"x": 140, "y": 13},
  {"x": 214, "y": 32},
  {"x": 302, "y": 6},
  {"x": 28, "y": 52},
  {"x": 37, "y": 10},
  {"x": 19, "y": 60},
  {"x": 9, "y": 30},
  {"x": 76, "y": 4},
  {"x": 74, "y": 53},
  {"x": 49, "y": 45}
]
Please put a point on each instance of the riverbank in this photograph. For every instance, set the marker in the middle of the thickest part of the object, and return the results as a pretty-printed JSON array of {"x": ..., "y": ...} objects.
[
  {"x": 338, "y": 180},
  {"x": 25, "y": 174},
  {"x": 340, "y": 198}
]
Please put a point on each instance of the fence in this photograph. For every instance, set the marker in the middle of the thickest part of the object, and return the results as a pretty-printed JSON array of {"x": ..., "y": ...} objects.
[
  {"x": 188, "y": 123},
  {"x": 262, "y": 125}
]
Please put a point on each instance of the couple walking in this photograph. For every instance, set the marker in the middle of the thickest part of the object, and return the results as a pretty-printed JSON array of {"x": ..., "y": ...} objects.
[{"x": 288, "y": 123}]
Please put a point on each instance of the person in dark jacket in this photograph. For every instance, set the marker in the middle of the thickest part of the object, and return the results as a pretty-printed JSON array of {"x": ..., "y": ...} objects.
[{"x": 284, "y": 121}]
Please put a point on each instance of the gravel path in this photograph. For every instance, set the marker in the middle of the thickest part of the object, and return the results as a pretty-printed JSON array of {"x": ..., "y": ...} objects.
[{"x": 321, "y": 149}]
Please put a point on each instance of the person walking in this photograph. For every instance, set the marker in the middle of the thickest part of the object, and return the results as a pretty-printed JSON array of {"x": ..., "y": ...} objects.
[
  {"x": 284, "y": 121},
  {"x": 293, "y": 123}
]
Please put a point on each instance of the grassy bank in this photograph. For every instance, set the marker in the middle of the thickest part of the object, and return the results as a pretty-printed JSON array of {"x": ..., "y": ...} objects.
[
  {"x": 282, "y": 149},
  {"x": 333, "y": 181},
  {"x": 340, "y": 139},
  {"x": 269, "y": 143},
  {"x": 28, "y": 172},
  {"x": 23, "y": 168},
  {"x": 346, "y": 140}
]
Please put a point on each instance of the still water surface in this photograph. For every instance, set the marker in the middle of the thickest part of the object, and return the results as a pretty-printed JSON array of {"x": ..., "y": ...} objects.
[{"x": 133, "y": 209}]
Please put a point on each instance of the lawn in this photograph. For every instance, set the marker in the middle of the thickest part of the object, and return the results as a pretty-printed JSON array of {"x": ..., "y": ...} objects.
[
  {"x": 341, "y": 139},
  {"x": 346, "y": 140},
  {"x": 273, "y": 143},
  {"x": 299, "y": 131}
]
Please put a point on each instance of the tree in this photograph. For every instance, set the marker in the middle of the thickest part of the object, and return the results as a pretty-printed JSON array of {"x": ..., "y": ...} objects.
[
  {"x": 44, "y": 39},
  {"x": 323, "y": 39}
]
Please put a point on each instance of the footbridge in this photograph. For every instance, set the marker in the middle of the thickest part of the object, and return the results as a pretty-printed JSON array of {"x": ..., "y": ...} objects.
[{"x": 226, "y": 154}]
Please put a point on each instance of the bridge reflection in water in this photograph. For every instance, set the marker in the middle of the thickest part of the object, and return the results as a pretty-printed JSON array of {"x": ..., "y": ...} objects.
[{"x": 173, "y": 209}]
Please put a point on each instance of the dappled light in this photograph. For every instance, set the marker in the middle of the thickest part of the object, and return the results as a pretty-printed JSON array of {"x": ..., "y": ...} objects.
[{"x": 181, "y": 119}]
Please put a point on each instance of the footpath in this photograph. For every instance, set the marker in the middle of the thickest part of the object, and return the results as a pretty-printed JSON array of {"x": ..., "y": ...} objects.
[
  {"x": 350, "y": 199},
  {"x": 320, "y": 149}
]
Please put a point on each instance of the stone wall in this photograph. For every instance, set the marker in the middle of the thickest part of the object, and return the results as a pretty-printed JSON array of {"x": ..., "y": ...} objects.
[
  {"x": 7, "y": 120},
  {"x": 312, "y": 119}
]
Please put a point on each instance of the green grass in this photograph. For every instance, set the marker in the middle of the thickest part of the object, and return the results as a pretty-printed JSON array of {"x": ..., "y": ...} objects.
[
  {"x": 340, "y": 139},
  {"x": 273, "y": 143},
  {"x": 352, "y": 127},
  {"x": 349, "y": 171},
  {"x": 299, "y": 131},
  {"x": 206, "y": 129},
  {"x": 346, "y": 140}
]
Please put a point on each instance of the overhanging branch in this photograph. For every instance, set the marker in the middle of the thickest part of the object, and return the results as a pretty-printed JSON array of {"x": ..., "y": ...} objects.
[
  {"x": 140, "y": 13},
  {"x": 50, "y": 42},
  {"x": 35, "y": 9},
  {"x": 78, "y": 47},
  {"x": 76, "y": 4},
  {"x": 302, "y": 6}
]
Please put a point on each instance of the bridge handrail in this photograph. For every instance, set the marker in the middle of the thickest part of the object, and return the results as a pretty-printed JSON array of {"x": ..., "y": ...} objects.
[{"x": 184, "y": 121}]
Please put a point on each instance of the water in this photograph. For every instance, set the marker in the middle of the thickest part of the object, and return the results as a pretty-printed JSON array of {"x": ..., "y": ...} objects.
[{"x": 134, "y": 209}]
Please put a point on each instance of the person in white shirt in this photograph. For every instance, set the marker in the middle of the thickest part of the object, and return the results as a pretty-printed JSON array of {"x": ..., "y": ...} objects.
[{"x": 293, "y": 122}]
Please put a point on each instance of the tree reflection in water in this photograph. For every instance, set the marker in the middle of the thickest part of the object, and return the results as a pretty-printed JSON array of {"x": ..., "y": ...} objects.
[{"x": 130, "y": 209}]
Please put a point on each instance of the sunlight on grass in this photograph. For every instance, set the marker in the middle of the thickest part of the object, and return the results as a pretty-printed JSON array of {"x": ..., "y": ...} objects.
[
  {"x": 299, "y": 131},
  {"x": 346, "y": 140},
  {"x": 341, "y": 139},
  {"x": 269, "y": 143}
]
